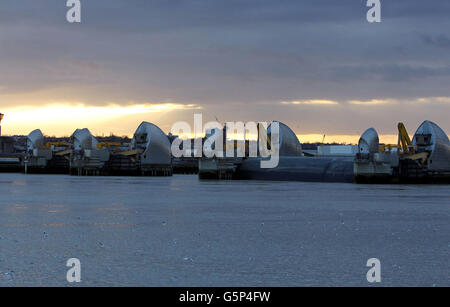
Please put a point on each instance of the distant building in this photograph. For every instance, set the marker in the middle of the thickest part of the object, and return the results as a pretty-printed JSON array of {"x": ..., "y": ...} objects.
[{"x": 337, "y": 150}]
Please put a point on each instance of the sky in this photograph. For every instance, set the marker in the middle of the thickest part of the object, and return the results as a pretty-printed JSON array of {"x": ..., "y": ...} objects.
[{"x": 316, "y": 65}]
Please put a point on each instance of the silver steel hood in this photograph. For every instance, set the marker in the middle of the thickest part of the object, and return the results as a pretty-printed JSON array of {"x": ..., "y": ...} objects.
[
  {"x": 430, "y": 137},
  {"x": 369, "y": 142},
  {"x": 154, "y": 143},
  {"x": 35, "y": 139},
  {"x": 289, "y": 143},
  {"x": 83, "y": 139}
]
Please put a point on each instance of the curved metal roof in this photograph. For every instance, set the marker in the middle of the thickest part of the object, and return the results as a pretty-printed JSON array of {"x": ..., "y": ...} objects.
[
  {"x": 156, "y": 146},
  {"x": 439, "y": 146},
  {"x": 83, "y": 139},
  {"x": 289, "y": 143},
  {"x": 437, "y": 134},
  {"x": 35, "y": 139},
  {"x": 369, "y": 141}
]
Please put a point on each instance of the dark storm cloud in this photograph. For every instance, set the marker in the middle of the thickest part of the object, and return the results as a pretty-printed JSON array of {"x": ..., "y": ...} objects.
[
  {"x": 391, "y": 72},
  {"x": 169, "y": 14},
  {"x": 233, "y": 53}
]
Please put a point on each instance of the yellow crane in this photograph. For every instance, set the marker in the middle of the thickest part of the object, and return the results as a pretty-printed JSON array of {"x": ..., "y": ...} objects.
[
  {"x": 403, "y": 139},
  {"x": 406, "y": 146},
  {"x": 404, "y": 142},
  {"x": 108, "y": 144},
  {"x": 56, "y": 144}
]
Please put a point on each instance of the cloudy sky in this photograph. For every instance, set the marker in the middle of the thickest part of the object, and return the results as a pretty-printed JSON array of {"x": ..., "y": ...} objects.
[{"x": 317, "y": 65}]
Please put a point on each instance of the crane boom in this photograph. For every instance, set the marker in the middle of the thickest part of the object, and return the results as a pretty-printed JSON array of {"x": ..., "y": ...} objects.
[{"x": 404, "y": 140}]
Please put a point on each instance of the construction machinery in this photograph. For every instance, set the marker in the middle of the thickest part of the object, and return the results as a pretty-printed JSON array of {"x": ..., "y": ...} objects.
[
  {"x": 424, "y": 159},
  {"x": 404, "y": 140},
  {"x": 112, "y": 145},
  {"x": 53, "y": 145}
]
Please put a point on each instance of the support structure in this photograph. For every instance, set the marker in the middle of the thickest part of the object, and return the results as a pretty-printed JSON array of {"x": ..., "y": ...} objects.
[{"x": 1, "y": 117}]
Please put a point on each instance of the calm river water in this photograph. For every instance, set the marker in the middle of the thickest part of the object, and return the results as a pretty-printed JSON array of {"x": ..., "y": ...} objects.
[{"x": 179, "y": 231}]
